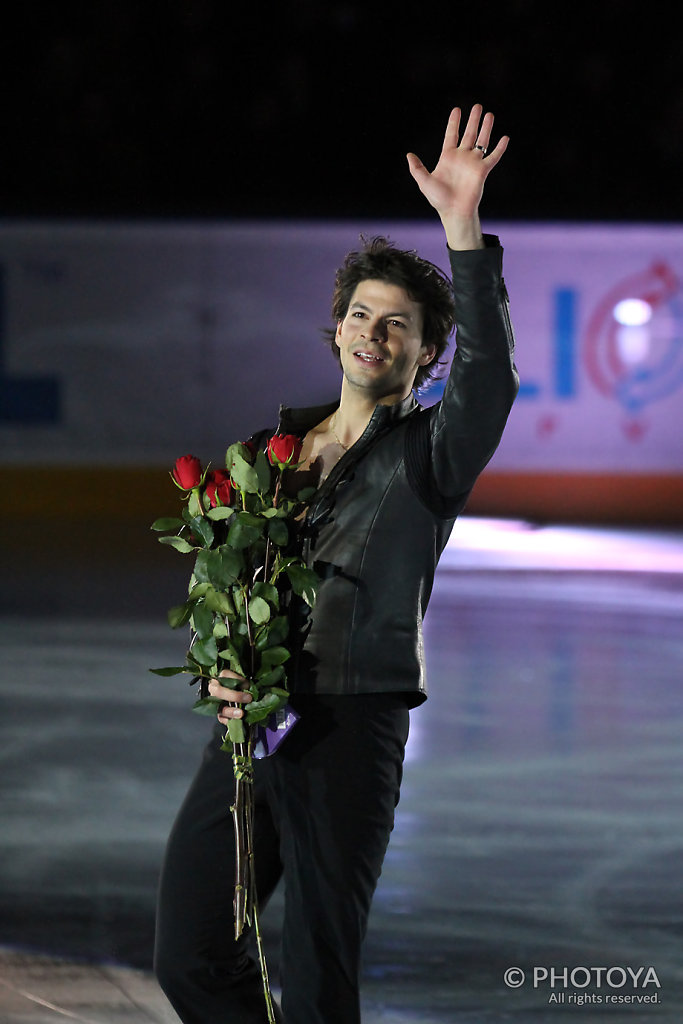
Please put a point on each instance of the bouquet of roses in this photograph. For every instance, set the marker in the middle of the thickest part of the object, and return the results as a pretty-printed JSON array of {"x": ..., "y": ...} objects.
[{"x": 237, "y": 523}]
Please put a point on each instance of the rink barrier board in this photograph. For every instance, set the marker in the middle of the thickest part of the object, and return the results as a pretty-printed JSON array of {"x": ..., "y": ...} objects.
[{"x": 144, "y": 493}]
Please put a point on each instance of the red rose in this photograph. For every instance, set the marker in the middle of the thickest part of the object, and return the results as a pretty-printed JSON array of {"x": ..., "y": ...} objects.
[
  {"x": 218, "y": 488},
  {"x": 284, "y": 449},
  {"x": 187, "y": 472}
]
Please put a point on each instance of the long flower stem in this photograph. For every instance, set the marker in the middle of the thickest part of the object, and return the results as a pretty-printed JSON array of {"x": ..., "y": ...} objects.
[
  {"x": 266, "y": 560},
  {"x": 245, "y": 900},
  {"x": 259, "y": 941},
  {"x": 243, "y": 795}
]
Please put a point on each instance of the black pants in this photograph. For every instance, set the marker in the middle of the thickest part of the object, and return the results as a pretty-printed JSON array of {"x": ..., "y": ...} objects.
[{"x": 324, "y": 811}]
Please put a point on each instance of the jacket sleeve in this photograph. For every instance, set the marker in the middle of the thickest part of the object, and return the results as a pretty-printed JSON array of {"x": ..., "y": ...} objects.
[{"x": 467, "y": 424}]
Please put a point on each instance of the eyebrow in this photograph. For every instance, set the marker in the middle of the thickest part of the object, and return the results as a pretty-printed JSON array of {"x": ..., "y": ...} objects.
[{"x": 361, "y": 305}]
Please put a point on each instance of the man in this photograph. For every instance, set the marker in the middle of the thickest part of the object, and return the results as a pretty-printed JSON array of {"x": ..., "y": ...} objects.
[{"x": 391, "y": 479}]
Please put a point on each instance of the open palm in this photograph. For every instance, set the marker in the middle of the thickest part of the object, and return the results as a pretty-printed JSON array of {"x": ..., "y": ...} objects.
[{"x": 455, "y": 186}]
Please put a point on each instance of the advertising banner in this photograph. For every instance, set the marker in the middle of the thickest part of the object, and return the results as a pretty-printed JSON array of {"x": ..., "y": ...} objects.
[{"x": 124, "y": 344}]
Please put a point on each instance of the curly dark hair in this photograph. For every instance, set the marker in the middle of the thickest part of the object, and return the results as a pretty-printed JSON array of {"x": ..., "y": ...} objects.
[{"x": 380, "y": 260}]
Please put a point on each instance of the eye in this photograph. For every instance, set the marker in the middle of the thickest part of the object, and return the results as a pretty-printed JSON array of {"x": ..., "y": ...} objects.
[{"x": 397, "y": 323}]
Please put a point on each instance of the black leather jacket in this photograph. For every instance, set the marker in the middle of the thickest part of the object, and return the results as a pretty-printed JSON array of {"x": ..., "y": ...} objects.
[{"x": 377, "y": 525}]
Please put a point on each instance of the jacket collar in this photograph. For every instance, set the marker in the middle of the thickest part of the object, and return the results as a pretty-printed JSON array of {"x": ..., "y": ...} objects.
[{"x": 300, "y": 421}]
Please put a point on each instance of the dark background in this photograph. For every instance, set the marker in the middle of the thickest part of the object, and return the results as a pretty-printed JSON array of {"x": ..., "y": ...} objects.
[{"x": 206, "y": 108}]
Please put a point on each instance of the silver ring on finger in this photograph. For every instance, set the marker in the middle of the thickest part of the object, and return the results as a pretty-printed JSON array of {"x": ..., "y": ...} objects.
[{"x": 483, "y": 149}]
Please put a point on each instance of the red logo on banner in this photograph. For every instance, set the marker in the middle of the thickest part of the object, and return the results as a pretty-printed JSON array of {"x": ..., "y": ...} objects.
[{"x": 634, "y": 343}]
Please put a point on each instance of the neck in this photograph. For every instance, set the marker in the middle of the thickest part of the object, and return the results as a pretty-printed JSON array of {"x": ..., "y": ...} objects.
[{"x": 355, "y": 411}]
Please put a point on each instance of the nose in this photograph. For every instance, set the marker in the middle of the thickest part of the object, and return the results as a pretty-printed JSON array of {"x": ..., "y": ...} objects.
[{"x": 375, "y": 330}]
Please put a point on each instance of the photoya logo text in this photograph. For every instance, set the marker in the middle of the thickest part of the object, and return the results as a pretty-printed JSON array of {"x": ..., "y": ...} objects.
[{"x": 616, "y": 977}]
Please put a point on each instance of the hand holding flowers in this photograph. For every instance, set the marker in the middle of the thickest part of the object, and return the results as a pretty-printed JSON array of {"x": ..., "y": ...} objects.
[{"x": 238, "y": 524}]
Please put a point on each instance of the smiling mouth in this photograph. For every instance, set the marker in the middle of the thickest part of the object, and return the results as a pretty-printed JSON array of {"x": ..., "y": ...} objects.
[{"x": 368, "y": 357}]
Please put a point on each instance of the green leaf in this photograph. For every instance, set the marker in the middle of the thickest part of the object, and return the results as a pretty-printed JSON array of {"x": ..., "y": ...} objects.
[
  {"x": 178, "y": 543},
  {"x": 270, "y": 678},
  {"x": 193, "y": 506},
  {"x": 259, "y": 610},
  {"x": 236, "y": 732},
  {"x": 231, "y": 655},
  {"x": 179, "y": 615},
  {"x": 206, "y": 706},
  {"x": 263, "y": 471},
  {"x": 201, "y": 567},
  {"x": 244, "y": 476},
  {"x": 170, "y": 671},
  {"x": 244, "y": 530},
  {"x": 278, "y": 532},
  {"x": 236, "y": 448},
  {"x": 202, "y": 618},
  {"x": 258, "y": 710},
  {"x": 281, "y": 564},
  {"x": 194, "y": 667},
  {"x": 274, "y": 656},
  {"x": 221, "y": 512},
  {"x": 231, "y": 564},
  {"x": 274, "y": 634},
  {"x": 268, "y": 592},
  {"x": 242, "y": 646},
  {"x": 220, "y": 567},
  {"x": 218, "y": 601},
  {"x": 304, "y": 582},
  {"x": 283, "y": 694},
  {"x": 202, "y": 528},
  {"x": 167, "y": 524},
  {"x": 306, "y": 493},
  {"x": 273, "y": 513},
  {"x": 198, "y": 590},
  {"x": 205, "y": 651}
]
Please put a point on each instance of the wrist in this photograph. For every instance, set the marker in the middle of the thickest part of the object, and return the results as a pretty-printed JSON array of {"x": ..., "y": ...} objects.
[{"x": 462, "y": 232}]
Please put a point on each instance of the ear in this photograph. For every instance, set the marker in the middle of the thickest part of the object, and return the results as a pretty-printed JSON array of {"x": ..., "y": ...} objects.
[
  {"x": 337, "y": 336},
  {"x": 427, "y": 355}
]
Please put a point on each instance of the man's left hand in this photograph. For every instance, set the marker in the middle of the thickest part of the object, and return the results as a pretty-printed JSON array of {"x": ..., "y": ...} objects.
[{"x": 455, "y": 187}]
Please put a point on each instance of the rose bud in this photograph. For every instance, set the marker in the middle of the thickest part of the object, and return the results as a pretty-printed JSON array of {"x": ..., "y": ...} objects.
[
  {"x": 187, "y": 472},
  {"x": 218, "y": 489},
  {"x": 284, "y": 449}
]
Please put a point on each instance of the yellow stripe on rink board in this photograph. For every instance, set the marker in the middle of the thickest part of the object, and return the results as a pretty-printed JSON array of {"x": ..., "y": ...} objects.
[
  {"x": 137, "y": 493},
  {"x": 84, "y": 492}
]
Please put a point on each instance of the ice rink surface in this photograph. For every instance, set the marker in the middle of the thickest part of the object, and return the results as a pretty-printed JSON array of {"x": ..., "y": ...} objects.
[{"x": 540, "y": 827}]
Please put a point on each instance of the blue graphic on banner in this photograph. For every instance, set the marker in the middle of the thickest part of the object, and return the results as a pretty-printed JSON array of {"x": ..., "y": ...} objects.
[
  {"x": 565, "y": 334},
  {"x": 563, "y": 339},
  {"x": 25, "y": 400}
]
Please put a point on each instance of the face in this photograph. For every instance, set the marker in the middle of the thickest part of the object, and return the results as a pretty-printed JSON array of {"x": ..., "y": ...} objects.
[{"x": 380, "y": 341}]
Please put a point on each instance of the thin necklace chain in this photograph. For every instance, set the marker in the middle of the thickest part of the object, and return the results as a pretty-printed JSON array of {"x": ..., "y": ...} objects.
[{"x": 336, "y": 437}]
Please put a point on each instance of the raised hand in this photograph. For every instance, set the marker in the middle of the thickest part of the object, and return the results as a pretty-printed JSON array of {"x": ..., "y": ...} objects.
[{"x": 455, "y": 187}]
